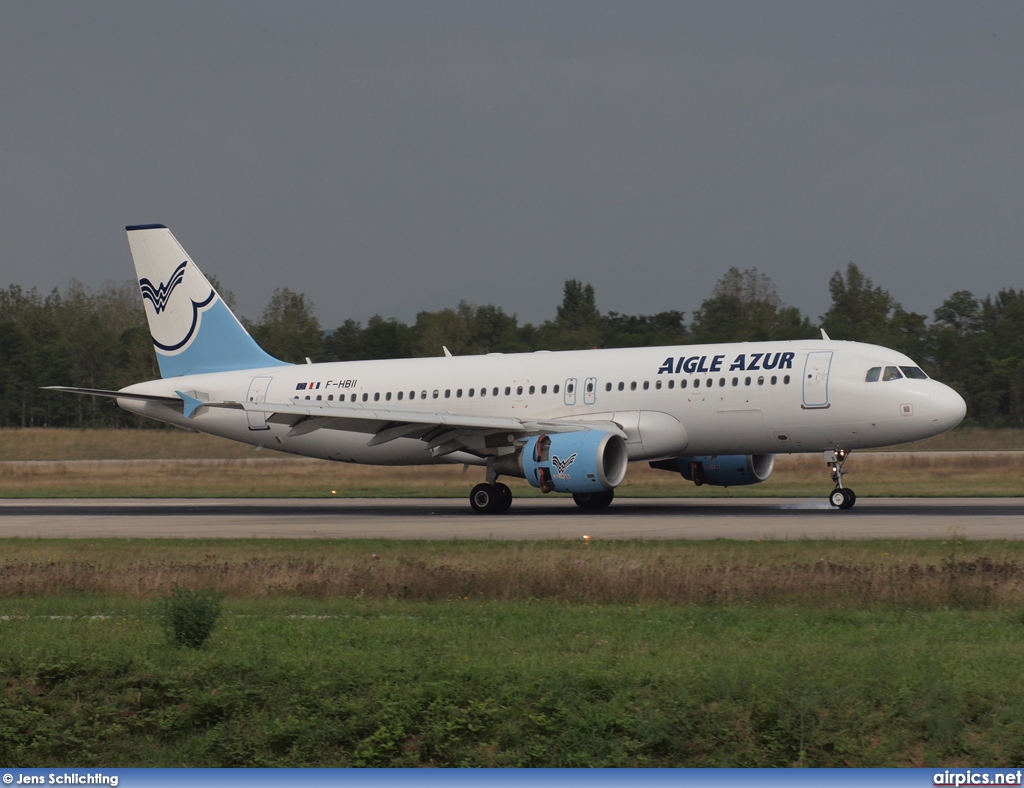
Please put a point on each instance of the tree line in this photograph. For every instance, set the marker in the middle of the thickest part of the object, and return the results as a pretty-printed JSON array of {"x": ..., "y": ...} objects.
[{"x": 101, "y": 340}]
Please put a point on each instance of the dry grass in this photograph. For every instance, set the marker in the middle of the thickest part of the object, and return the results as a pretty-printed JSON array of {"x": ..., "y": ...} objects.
[
  {"x": 816, "y": 574},
  {"x": 929, "y": 474},
  {"x": 175, "y": 463},
  {"x": 171, "y": 444},
  {"x": 150, "y": 444}
]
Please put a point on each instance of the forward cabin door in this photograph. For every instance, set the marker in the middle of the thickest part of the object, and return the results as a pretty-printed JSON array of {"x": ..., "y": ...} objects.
[
  {"x": 816, "y": 370},
  {"x": 258, "y": 395}
]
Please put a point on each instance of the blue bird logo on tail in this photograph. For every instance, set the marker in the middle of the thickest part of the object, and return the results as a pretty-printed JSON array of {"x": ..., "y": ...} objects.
[{"x": 161, "y": 294}]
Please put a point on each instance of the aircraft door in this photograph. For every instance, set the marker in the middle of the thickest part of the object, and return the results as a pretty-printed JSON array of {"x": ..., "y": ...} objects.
[
  {"x": 258, "y": 394},
  {"x": 816, "y": 370},
  {"x": 570, "y": 391},
  {"x": 590, "y": 391}
]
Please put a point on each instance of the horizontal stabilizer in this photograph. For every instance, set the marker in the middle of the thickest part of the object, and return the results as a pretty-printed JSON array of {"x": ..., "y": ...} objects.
[
  {"x": 188, "y": 402},
  {"x": 115, "y": 394}
]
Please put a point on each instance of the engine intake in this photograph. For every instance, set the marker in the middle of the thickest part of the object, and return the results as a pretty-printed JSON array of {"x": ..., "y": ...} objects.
[
  {"x": 575, "y": 462},
  {"x": 727, "y": 470}
]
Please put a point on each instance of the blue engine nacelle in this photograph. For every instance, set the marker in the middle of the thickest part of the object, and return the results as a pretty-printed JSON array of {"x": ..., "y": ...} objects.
[
  {"x": 575, "y": 462},
  {"x": 726, "y": 470}
]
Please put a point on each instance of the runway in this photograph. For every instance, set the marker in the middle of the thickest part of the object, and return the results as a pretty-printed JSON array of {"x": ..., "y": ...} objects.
[{"x": 449, "y": 518}]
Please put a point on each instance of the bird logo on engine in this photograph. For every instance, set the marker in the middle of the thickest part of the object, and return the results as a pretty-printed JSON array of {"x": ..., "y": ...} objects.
[{"x": 561, "y": 465}]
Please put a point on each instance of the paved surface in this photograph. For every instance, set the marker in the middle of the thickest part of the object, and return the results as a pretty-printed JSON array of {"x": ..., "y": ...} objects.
[{"x": 677, "y": 518}]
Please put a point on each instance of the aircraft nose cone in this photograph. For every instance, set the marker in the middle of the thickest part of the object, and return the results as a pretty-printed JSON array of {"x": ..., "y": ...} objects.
[{"x": 948, "y": 407}]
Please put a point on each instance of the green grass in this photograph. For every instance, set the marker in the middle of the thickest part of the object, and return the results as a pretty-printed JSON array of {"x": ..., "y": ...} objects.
[
  {"x": 477, "y": 683},
  {"x": 809, "y": 653}
]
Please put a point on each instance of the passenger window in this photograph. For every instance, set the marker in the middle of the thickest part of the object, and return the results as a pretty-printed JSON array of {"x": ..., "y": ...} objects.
[
  {"x": 569, "y": 389},
  {"x": 873, "y": 374},
  {"x": 447, "y": 393},
  {"x": 554, "y": 389},
  {"x": 657, "y": 384},
  {"x": 632, "y": 386},
  {"x": 774, "y": 380},
  {"x": 785, "y": 380},
  {"x": 721, "y": 382},
  {"x": 622, "y": 386},
  {"x": 307, "y": 396},
  {"x": 388, "y": 396},
  {"x": 508, "y": 390},
  {"x": 376, "y": 396},
  {"x": 519, "y": 390},
  {"x": 319, "y": 397},
  {"x": 365, "y": 397},
  {"x": 647, "y": 385},
  {"x": 494, "y": 392},
  {"x": 746, "y": 381},
  {"x": 696, "y": 383},
  {"x": 458, "y": 393},
  {"x": 607, "y": 386},
  {"x": 436, "y": 394},
  {"x": 544, "y": 389},
  {"x": 472, "y": 392},
  {"x": 892, "y": 373},
  {"x": 671, "y": 383},
  {"x": 330, "y": 397},
  {"x": 914, "y": 373},
  {"x": 533, "y": 389},
  {"x": 483, "y": 391},
  {"x": 590, "y": 387},
  {"x": 400, "y": 394},
  {"x": 682, "y": 383},
  {"x": 760, "y": 380}
]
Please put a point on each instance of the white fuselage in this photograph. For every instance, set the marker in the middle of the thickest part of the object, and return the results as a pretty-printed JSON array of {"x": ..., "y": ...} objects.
[{"x": 737, "y": 398}]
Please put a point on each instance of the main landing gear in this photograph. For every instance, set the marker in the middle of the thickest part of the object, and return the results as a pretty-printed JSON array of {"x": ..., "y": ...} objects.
[
  {"x": 493, "y": 497},
  {"x": 841, "y": 497},
  {"x": 600, "y": 500},
  {"x": 490, "y": 498}
]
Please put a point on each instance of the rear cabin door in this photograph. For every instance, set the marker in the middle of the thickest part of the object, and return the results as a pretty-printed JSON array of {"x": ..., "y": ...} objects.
[{"x": 258, "y": 395}]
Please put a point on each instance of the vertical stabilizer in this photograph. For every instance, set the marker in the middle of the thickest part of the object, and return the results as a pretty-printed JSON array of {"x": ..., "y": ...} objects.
[{"x": 192, "y": 328}]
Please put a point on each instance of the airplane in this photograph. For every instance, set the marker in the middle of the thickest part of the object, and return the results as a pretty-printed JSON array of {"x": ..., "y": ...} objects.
[{"x": 568, "y": 421}]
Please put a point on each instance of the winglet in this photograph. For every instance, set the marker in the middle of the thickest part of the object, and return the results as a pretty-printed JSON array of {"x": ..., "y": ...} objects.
[{"x": 825, "y": 336}]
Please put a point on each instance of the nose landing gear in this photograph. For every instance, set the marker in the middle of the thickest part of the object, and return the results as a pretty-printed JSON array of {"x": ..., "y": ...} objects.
[{"x": 841, "y": 497}]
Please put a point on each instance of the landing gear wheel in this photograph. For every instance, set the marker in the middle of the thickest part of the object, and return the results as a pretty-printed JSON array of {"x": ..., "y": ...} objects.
[
  {"x": 842, "y": 498},
  {"x": 486, "y": 499},
  {"x": 599, "y": 500},
  {"x": 504, "y": 497}
]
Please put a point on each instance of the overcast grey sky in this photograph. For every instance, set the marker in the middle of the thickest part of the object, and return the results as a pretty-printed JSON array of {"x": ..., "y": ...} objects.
[{"x": 389, "y": 157}]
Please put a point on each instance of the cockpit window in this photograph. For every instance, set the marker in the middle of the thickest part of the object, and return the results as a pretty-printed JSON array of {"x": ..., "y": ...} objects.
[
  {"x": 914, "y": 373},
  {"x": 873, "y": 374},
  {"x": 892, "y": 373}
]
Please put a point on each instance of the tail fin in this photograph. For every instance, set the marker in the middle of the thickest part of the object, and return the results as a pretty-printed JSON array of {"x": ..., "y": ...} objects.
[{"x": 192, "y": 328}]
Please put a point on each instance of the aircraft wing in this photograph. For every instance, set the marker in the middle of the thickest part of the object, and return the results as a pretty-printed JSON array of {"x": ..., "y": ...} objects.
[{"x": 443, "y": 431}]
